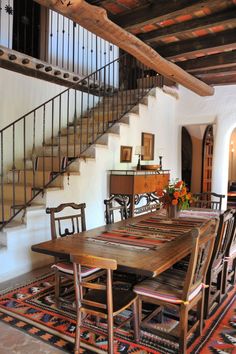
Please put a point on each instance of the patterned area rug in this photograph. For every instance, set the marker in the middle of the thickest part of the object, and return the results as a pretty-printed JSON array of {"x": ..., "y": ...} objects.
[{"x": 30, "y": 308}]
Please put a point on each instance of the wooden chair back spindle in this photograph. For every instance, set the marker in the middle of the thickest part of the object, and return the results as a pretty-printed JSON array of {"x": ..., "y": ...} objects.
[
  {"x": 203, "y": 242},
  {"x": 65, "y": 225},
  {"x": 208, "y": 200},
  {"x": 112, "y": 205}
]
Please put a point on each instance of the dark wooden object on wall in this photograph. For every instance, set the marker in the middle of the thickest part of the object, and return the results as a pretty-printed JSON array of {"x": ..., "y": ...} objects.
[{"x": 101, "y": 300}]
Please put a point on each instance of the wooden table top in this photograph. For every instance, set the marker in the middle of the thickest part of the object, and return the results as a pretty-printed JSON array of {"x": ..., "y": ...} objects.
[{"x": 148, "y": 244}]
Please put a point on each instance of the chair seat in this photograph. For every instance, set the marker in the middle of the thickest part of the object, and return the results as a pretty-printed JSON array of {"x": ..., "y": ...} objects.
[
  {"x": 168, "y": 287},
  {"x": 67, "y": 268},
  {"x": 121, "y": 298}
]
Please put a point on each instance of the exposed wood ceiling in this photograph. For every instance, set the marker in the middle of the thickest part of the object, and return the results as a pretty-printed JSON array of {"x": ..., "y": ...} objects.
[{"x": 197, "y": 35}]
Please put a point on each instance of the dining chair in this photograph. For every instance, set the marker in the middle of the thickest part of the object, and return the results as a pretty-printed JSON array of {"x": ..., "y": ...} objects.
[
  {"x": 116, "y": 208},
  {"x": 182, "y": 290},
  {"x": 66, "y": 220},
  {"x": 229, "y": 277},
  {"x": 215, "y": 291},
  {"x": 208, "y": 200},
  {"x": 101, "y": 299}
]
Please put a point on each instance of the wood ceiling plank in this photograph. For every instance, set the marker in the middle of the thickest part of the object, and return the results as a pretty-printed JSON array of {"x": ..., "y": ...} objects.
[
  {"x": 229, "y": 79},
  {"x": 161, "y": 10},
  {"x": 95, "y": 20},
  {"x": 221, "y": 19},
  {"x": 219, "y": 41},
  {"x": 225, "y": 70},
  {"x": 209, "y": 62}
]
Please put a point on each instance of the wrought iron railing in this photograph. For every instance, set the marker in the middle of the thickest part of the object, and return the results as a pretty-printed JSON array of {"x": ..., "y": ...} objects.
[
  {"x": 29, "y": 28},
  {"x": 40, "y": 145}
]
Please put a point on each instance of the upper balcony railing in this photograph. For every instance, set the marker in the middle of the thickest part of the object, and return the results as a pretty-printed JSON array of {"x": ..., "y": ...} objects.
[{"x": 29, "y": 28}]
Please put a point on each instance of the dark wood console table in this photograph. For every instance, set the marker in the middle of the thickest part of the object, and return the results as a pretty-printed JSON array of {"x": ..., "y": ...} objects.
[{"x": 133, "y": 183}]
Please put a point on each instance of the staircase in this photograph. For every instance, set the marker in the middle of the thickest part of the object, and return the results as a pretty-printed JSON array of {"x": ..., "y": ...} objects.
[{"x": 48, "y": 140}]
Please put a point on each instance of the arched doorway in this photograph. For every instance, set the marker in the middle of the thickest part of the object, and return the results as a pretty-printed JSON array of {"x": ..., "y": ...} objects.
[
  {"x": 207, "y": 159},
  {"x": 186, "y": 157}
]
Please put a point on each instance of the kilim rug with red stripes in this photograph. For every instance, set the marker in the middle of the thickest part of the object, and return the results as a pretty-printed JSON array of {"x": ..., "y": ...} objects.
[{"x": 30, "y": 308}]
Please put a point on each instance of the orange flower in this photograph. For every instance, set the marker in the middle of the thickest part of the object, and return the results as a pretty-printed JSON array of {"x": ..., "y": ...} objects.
[
  {"x": 174, "y": 202},
  {"x": 184, "y": 191},
  {"x": 159, "y": 192},
  {"x": 176, "y": 195},
  {"x": 178, "y": 184},
  {"x": 188, "y": 196}
]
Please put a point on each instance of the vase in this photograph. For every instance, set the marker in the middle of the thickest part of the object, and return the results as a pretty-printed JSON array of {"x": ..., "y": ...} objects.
[{"x": 172, "y": 211}]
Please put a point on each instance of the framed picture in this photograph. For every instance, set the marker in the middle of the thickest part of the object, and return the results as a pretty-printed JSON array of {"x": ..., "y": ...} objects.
[
  {"x": 125, "y": 153},
  {"x": 148, "y": 145}
]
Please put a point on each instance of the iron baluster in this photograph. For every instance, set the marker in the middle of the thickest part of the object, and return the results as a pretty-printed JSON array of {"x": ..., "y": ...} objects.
[
  {"x": 13, "y": 165},
  {"x": 24, "y": 143},
  {"x": 2, "y": 180},
  {"x": 52, "y": 135},
  {"x": 57, "y": 41},
  {"x": 44, "y": 131},
  {"x": 68, "y": 123},
  {"x": 59, "y": 134},
  {"x": 68, "y": 44},
  {"x": 63, "y": 42},
  {"x": 34, "y": 149}
]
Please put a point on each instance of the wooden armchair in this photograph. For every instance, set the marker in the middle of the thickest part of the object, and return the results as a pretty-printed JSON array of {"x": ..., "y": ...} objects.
[
  {"x": 116, "y": 208},
  {"x": 65, "y": 225},
  {"x": 101, "y": 300},
  {"x": 208, "y": 200},
  {"x": 183, "y": 290},
  {"x": 215, "y": 275},
  {"x": 229, "y": 276}
]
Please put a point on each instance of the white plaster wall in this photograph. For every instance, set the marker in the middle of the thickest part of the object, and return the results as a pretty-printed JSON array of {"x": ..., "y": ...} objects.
[
  {"x": 92, "y": 186},
  {"x": 221, "y": 110}
]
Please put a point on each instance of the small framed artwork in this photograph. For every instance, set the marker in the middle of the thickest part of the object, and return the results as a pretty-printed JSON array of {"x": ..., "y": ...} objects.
[
  {"x": 148, "y": 146},
  {"x": 125, "y": 153}
]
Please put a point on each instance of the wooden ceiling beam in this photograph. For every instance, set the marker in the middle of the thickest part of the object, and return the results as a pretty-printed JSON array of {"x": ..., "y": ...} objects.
[
  {"x": 190, "y": 26},
  {"x": 209, "y": 62},
  {"x": 225, "y": 70},
  {"x": 95, "y": 20},
  {"x": 226, "y": 79},
  {"x": 159, "y": 11},
  {"x": 219, "y": 41}
]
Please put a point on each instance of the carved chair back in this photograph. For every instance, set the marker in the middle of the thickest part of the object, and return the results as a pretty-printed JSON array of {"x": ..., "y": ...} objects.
[
  {"x": 64, "y": 224},
  {"x": 224, "y": 235},
  {"x": 208, "y": 200},
  {"x": 116, "y": 205},
  {"x": 203, "y": 242},
  {"x": 82, "y": 286}
]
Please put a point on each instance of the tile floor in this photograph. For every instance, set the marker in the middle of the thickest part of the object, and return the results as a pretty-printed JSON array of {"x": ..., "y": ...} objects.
[{"x": 13, "y": 341}]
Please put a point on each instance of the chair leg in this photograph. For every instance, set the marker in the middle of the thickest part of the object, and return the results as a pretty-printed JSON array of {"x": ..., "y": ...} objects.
[
  {"x": 57, "y": 288},
  {"x": 200, "y": 310},
  {"x": 183, "y": 323},
  {"x": 136, "y": 320},
  {"x": 77, "y": 332},
  {"x": 110, "y": 334}
]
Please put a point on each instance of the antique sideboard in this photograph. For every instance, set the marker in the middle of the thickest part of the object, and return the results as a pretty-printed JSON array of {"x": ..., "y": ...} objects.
[{"x": 135, "y": 184}]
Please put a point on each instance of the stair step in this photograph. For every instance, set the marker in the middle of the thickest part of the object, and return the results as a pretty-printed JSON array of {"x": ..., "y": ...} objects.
[
  {"x": 20, "y": 192},
  {"x": 5, "y": 211},
  {"x": 49, "y": 163},
  {"x": 39, "y": 178}
]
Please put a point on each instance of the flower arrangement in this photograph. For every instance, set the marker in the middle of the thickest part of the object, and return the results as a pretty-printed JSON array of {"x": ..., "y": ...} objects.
[{"x": 175, "y": 193}]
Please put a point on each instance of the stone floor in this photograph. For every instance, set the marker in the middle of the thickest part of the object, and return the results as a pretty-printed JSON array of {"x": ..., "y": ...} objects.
[{"x": 13, "y": 341}]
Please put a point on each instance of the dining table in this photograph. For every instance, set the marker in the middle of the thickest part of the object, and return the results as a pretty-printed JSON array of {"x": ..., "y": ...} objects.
[{"x": 146, "y": 245}]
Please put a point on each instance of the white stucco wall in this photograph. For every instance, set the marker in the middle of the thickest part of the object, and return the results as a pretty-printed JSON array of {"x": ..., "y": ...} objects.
[{"x": 221, "y": 110}]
